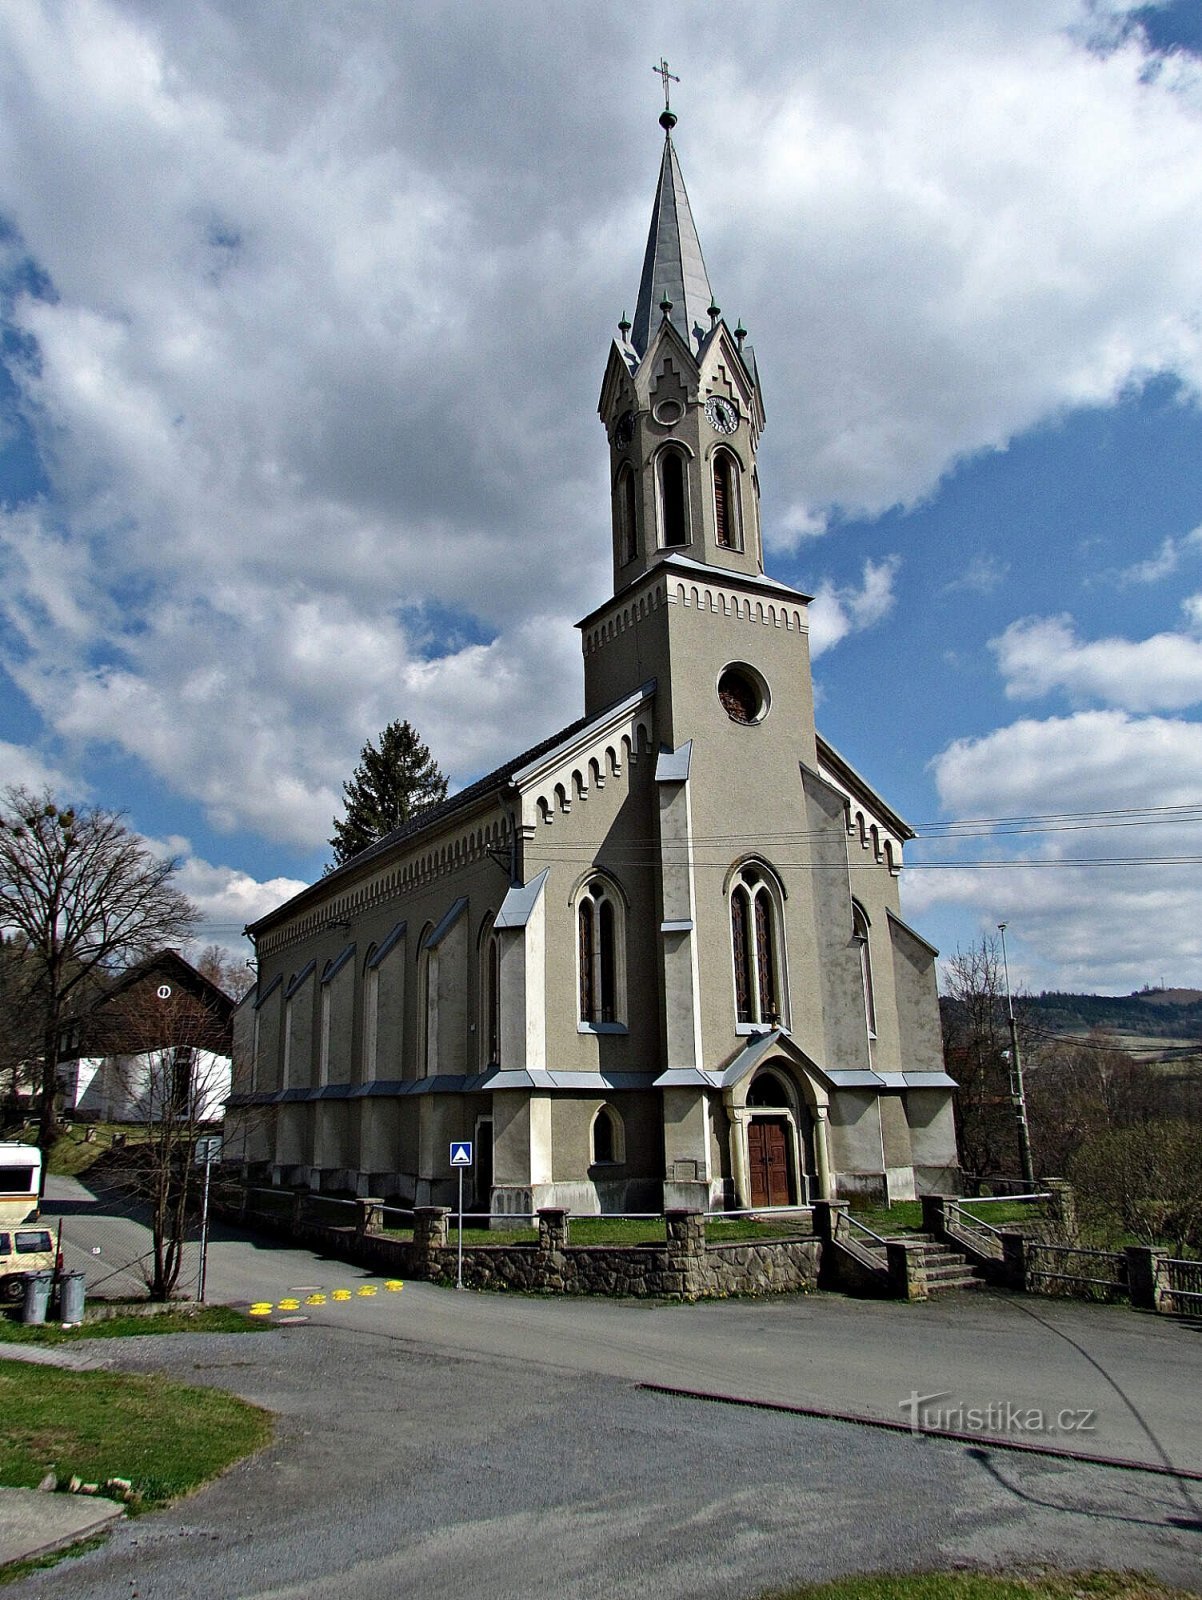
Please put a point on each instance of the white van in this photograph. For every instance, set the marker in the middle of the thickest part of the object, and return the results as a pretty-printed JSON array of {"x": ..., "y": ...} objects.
[{"x": 24, "y": 1246}]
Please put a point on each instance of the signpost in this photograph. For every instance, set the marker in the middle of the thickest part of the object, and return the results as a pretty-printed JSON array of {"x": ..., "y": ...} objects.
[
  {"x": 208, "y": 1150},
  {"x": 461, "y": 1157}
]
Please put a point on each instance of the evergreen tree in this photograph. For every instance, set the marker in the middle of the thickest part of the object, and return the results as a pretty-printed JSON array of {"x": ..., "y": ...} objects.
[{"x": 392, "y": 783}]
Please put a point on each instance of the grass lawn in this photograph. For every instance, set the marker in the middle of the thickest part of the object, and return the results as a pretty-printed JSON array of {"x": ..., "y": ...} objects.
[
  {"x": 989, "y": 1586},
  {"x": 72, "y": 1154},
  {"x": 165, "y": 1437},
  {"x": 625, "y": 1230},
  {"x": 213, "y": 1319}
]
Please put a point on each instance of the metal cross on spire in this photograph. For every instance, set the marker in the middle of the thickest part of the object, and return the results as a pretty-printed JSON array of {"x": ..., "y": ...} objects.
[{"x": 668, "y": 77}]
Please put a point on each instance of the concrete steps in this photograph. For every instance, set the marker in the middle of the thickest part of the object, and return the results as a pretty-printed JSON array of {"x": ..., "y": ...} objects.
[{"x": 948, "y": 1271}]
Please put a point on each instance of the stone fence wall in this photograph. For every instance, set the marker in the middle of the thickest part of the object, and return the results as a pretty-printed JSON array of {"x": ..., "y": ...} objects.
[{"x": 686, "y": 1266}]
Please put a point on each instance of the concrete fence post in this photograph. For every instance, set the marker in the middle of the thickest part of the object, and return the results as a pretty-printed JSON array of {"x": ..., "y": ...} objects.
[
  {"x": 429, "y": 1234},
  {"x": 907, "y": 1270},
  {"x": 934, "y": 1215},
  {"x": 300, "y": 1198},
  {"x": 685, "y": 1231},
  {"x": 1014, "y": 1261},
  {"x": 369, "y": 1216},
  {"x": 1146, "y": 1277},
  {"x": 1062, "y": 1207},
  {"x": 826, "y": 1217},
  {"x": 552, "y": 1229}
]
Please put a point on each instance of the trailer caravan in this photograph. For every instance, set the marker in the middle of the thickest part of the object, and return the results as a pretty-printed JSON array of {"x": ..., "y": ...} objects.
[{"x": 20, "y": 1182}]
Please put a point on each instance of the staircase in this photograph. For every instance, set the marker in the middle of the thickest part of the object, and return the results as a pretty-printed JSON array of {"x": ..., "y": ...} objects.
[{"x": 947, "y": 1269}]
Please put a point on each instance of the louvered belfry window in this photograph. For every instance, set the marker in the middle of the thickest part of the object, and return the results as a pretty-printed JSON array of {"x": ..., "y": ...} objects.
[
  {"x": 724, "y": 508},
  {"x": 673, "y": 510}
]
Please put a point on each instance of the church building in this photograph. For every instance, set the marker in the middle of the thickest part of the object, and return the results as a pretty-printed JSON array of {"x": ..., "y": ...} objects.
[{"x": 657, "y": 960}]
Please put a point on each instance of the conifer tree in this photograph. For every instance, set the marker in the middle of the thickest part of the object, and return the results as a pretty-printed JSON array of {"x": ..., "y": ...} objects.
[{"x": 394, "y": 781}]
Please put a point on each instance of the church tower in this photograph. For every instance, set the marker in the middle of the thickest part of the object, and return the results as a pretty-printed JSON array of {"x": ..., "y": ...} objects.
[
  {"x": 681, "y": 405},
  {"x": 683, "y": 413}
]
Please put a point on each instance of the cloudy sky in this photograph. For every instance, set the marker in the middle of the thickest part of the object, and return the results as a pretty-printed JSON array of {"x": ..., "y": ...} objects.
[{"x": 306, "y": 305}]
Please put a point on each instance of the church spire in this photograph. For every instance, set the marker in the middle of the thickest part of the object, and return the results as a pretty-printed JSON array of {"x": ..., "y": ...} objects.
[{"x": 673, "y": 266}]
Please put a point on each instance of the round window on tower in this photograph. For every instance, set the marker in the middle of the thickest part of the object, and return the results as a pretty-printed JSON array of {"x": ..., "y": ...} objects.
[{"x": 744, "y": 694}]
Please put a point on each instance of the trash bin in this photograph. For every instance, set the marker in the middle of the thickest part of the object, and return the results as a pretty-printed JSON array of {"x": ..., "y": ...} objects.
[
  {"x": 37, "y": 1296},
  {"x": 71, "y": 1296}
]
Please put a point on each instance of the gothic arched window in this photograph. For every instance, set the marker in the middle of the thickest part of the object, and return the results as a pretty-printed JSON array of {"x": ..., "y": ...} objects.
[
  {"x": 628, "y": 543},
  {"x": 599, "y": 939},
  {"x": 492, "y": 999},
  {"x": 756, "y": 947},
  {"x": 726, "y": 501},
  {"x": 673, "y": 474},
  {"x": 859, "y": 932}
]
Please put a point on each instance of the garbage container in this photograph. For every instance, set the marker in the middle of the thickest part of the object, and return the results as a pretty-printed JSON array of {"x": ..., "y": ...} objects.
[
  {"x": 37, "y": 1296},
  {"x": 71, "y": 1296}
]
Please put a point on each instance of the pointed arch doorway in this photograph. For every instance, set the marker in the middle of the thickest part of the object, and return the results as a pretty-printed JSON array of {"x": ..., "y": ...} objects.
[{"x": 776, "y": 1145}]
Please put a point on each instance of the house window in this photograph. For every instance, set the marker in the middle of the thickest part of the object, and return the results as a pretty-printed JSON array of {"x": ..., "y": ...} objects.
[
  {"x": 859, "y": 933},
  {"x": 599, "y": 944},
  {"x": 673, "y": 498},
  {"x": 726, "y": 501},
  {"x": 756, "y": 947},
  {"x": 627, "y": 517}
]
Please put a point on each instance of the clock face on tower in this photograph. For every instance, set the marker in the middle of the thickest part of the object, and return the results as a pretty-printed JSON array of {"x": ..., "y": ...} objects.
[
  {"x": 624, "y": 431},
  {"x": 723, "y": 414}
]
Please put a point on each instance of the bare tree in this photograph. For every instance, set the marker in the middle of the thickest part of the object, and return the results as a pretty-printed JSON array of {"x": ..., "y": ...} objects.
[
  {"x": 173, "y": 1076},
  {"x": 221, "y": 967},
  {"x": 976, "y": 1047},
  {"x": 84, "y": 895}
]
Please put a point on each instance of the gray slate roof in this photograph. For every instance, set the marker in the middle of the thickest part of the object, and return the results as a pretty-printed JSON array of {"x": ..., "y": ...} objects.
[{"x": 673, "y": 264}]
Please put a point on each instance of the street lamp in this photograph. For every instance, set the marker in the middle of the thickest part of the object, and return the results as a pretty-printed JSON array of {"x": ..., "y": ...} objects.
[{"x": 1018, "y": 1097}]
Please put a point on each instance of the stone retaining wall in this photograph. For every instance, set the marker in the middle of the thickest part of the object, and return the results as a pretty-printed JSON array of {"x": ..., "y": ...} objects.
[{"x": 685, "y": 1267}]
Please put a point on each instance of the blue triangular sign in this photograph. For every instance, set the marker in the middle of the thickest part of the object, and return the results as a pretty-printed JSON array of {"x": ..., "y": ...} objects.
[{"x": 461, "y": 1154}]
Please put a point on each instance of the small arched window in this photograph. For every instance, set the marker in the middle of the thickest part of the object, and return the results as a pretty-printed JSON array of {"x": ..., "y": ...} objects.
[
  {"x": 607, "y": 1143},
  {"x": 673, "y": 498},
  {"x": 756, "y": 947},
  {"x": 628, "y": 544},
  {"x": 598, "y": 922},
  {"x": 859, "y": 933},
  {"x": 726, "y": 502}
]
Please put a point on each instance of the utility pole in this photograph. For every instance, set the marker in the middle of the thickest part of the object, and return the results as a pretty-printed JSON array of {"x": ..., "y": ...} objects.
[{"x": 1018, "y": 1096}]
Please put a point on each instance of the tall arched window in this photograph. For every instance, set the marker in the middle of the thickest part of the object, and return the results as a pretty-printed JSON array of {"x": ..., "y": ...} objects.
[
  {"x": 859, "y": 932},
  {"x": 492, "y": 999},
  {"x": 628, "y": 545},
  {"x": 599, "y": 936},
  {"x": 756, "y": 946},
  {"x": 726, "y": 501},
  {"x": 673, "y": 498}
]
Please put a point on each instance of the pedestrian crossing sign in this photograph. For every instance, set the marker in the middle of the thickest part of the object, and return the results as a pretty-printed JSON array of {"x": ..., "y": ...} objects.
[{"x": 461, "y": 1153}]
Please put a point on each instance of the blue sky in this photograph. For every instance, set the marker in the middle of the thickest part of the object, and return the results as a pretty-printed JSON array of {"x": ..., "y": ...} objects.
[{"x": 305, "y": 312}]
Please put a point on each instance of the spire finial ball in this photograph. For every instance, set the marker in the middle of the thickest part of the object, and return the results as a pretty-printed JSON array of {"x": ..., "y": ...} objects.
[{"x": 667, "y": 120}]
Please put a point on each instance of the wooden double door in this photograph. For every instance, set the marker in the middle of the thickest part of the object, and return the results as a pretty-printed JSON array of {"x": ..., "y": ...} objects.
[{"x": 769, "y": 1161}]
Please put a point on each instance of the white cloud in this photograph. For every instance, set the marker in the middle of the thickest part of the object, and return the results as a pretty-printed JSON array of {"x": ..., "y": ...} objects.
[
  {"x": 24, "y": 768},
  {"x": 1156, "y": 567},
  {"x": 835, "y": 612},
  {"x": 329, "y": 310},
  {"x": 1040, "y": 654},
  {"x": 982, "y": 575},
  {"x": 1100, "y": 884}
]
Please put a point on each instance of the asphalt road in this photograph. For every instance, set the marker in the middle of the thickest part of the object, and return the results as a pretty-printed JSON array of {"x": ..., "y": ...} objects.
[{"x": 440, "y": 1444}]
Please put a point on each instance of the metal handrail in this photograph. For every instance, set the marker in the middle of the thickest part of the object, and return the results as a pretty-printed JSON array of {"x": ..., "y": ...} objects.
[
  {"x": 1003, "y": 1199},
  {"x": 965, "y": 1219},
  {"x": 846, "y": 1217}
]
